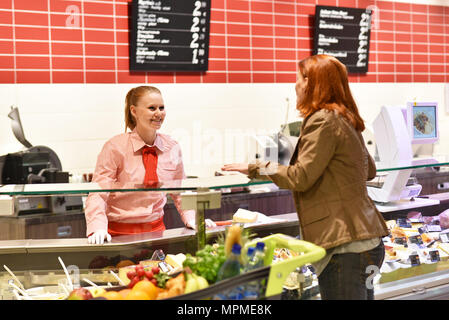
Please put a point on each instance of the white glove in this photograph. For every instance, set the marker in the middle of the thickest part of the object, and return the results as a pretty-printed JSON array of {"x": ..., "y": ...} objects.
[
  {"x": 98, "y": 237},
  {"x": 192, "y": 225}
]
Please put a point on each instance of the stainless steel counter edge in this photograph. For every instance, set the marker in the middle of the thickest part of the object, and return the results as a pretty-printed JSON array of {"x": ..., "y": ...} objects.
[
  {"x": 417, "y": 284},
  {"x": 121, "y": 242}
]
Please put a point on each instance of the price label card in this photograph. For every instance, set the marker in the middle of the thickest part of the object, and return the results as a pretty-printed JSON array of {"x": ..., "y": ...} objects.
[
  {"x": 403, "y": 223},
  {"x": 433, "y": 228},
  {"x": 414, "y": 260},
  {"x": 444, "y": 237},
  {"x": 401, "y": 240},
  {"x": 434, "y": 255},
  {"x": 416, "y": 239},
  {"x": 416, "y": 220},
  {"x": 164, "y": 267},
  {"x": 170, "y": 35}
]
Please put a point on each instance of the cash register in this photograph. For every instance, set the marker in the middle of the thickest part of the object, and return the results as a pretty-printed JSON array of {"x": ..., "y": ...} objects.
[{"x": 34, "y": 164}]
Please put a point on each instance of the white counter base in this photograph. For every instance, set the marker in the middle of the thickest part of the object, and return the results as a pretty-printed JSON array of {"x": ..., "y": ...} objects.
[{"x": 406, "y": 204}]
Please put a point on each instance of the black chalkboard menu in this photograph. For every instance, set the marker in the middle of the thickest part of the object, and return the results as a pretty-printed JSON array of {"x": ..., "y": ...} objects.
[
  {"x": 343, "y": 33},
  {"x": 170, "y": 35}
]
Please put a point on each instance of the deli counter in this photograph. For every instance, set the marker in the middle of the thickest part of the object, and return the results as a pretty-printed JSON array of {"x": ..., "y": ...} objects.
[{"x": 37, "y": 262}]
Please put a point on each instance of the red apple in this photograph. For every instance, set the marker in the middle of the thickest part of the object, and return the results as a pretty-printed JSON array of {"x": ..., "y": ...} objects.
[{"x": 80, "y": 294}]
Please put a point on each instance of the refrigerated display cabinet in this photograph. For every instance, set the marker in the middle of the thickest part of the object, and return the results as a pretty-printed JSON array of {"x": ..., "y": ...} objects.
[{"x": 35, "y": 261}]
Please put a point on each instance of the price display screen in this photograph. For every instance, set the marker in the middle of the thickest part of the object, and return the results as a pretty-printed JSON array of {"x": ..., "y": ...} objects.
[
  {"x": 345, "y": 34},
  {"x": 170, "y": 35}
]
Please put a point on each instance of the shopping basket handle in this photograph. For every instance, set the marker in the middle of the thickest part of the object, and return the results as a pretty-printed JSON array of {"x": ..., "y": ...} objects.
[{"x": 279, "y": 271}]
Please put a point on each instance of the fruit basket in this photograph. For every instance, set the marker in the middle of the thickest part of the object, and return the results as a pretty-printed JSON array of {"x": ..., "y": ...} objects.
[
  {"x": 274, "y": 274},
  {"x": 196, "y": 277}
]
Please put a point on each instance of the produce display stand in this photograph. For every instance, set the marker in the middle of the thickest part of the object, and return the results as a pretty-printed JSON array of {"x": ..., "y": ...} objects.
[
  {"x": 275, "y": 273},
  {"x": 199, "y": 194}
]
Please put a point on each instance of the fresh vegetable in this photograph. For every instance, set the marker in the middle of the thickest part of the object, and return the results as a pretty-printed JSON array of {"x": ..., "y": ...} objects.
[
  {"x": 161, "y": 279},
  {"x": 155, "y": 270},
  {"x": 191, "y": 283},
  {"x": 202, "y": 282},
  {"x": 139, "y": 273}
]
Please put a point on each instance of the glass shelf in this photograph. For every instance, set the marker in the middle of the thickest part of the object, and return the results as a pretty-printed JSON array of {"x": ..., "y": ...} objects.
[
  {"x": 175, "y": 186},
  {"x": 416, "y": 163},
  {"x": 178, "y": 186}
]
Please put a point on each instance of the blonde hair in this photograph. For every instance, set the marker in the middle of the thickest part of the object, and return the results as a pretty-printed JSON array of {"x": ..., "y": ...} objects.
[{"x": 132, "y": 98}]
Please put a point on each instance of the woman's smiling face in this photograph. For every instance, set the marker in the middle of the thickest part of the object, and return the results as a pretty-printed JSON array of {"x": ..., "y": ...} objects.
[{"x": 149, "y": 112}]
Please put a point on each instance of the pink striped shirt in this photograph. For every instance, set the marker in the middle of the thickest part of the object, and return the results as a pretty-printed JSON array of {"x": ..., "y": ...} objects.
[{"x": 120, "y": 160}]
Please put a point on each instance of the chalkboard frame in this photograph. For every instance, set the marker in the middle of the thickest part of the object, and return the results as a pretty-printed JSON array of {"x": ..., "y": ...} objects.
[
  {"x": 169, "y": 67},
  {"x": 351, "y": 68}
]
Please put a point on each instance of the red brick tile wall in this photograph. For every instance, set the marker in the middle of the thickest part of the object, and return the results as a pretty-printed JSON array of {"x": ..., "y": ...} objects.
[{"x": 60, "y": 41}]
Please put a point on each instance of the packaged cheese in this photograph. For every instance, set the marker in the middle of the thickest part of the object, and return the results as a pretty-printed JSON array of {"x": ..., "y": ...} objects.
[
  {"x": 149, "y": 263},
  {"x": 175, "y": 260},
  {"x": 244, "y": 216},
  {"x": 444, "y": 247}
]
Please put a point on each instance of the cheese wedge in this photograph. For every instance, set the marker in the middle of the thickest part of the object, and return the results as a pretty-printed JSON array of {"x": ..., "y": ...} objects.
[
  {"x": 243, "y": 216},
  {"x": 175, "y": 260},
  {"x": 444, "y": 247}
]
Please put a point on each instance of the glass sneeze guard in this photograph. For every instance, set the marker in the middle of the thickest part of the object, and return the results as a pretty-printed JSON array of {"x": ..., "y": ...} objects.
[
  {"x": 174, "y": 186},
  {"x": 198, "y": 194},
  {"x": 416, "y": 163}
]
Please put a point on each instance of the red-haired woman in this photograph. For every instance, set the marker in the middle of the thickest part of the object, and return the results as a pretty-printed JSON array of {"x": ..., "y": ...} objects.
[{"x": 327, "y": 175}]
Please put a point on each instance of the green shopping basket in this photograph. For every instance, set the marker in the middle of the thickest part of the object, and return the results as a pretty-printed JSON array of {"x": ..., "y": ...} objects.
[{"x": 276, "y": 273}]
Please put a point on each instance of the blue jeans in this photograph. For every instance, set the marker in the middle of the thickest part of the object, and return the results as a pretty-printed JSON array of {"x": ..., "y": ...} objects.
[{"x": 345, "y": 276}]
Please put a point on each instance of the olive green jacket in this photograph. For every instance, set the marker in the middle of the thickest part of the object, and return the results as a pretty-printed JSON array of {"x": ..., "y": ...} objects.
[{"x": 327, "y": 175}]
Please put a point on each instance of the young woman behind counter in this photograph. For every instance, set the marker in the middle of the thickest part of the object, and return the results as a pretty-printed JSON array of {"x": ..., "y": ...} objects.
[{"x": 142, "y": 155}]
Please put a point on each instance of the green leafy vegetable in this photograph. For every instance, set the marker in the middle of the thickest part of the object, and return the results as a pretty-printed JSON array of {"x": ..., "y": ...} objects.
[
  {"x": 207, "y": 261},
  {"x": 161, "y": 279}
]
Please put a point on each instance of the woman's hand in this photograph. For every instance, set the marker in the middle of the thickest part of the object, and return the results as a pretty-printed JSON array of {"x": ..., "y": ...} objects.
[
  {"x": 239, "y": 167},
  {"x": 98, "y": 237},
  {"x": 209, "y": 224}
]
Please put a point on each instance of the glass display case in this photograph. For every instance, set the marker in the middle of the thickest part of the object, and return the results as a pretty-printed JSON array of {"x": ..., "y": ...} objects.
[
  {"x": 36, "y": 262},
  {"x": 418, "y": 217}
]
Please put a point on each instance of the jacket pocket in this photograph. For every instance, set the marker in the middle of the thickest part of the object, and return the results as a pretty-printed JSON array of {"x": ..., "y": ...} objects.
[{"x": 315, "y": 213}]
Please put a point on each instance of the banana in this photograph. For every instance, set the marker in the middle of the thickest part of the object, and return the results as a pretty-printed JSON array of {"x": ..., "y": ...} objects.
[{"x": 191, "y": 284}]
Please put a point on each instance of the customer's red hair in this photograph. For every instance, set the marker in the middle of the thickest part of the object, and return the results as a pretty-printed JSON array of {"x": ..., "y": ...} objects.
[{"x": 328, "y": 88}]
